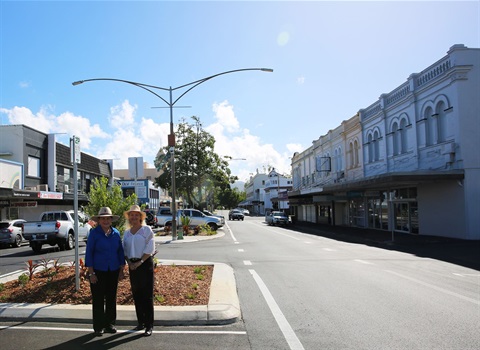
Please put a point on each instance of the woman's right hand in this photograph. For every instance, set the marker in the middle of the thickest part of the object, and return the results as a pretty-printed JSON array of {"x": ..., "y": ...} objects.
[{"x": 93, "y": 278}]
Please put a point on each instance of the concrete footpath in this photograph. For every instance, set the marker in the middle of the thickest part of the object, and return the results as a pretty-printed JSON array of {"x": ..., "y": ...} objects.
[{"x": 223, "y": 306}]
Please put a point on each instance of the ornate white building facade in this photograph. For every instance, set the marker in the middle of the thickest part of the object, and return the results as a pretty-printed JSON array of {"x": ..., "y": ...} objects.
[{"x": 408, "y": 163}]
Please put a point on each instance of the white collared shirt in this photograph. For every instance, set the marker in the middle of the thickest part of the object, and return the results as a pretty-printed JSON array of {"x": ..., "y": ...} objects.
[{"x": 142, "y": 242}]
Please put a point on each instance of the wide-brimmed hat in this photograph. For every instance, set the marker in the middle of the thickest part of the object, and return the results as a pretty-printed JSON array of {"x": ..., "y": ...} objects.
[
  {"x": 105, "y": 212},
  {"x": 135, "y": 208}
]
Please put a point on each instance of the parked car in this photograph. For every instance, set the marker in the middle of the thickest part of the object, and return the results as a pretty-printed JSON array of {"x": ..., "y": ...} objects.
[
  {"x": 151, "y": 218},
  {"x": 245, "y": 211},
  {"x": 56, "y": 228},
  {"x": 209, "y": 213},
  {"x": 276, "y": 218},
  {"x": 198, "y": 218},
  {"x": 11, "y": 232},
  {"x": 235, "y": 214}
]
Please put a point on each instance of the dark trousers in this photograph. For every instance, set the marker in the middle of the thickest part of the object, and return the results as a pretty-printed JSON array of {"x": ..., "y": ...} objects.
[
  {"x": 141, "y": 282},
  {"x": 104, "y": 299}
]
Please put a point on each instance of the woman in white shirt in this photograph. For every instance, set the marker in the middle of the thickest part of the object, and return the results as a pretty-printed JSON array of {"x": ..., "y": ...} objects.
[{"x": 139, "y": 247}]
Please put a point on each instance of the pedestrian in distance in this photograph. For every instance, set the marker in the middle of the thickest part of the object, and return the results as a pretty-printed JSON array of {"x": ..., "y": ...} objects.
[
  {"x": 139, "y": 247},
  {"x": 105, "y": 260}
]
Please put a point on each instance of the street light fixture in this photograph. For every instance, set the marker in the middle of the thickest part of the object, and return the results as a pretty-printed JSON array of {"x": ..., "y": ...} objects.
[{"x": 171, "y": 103}]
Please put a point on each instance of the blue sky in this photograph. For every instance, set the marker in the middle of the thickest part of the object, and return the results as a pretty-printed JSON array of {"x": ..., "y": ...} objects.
[{"x": 330, "y": 59}]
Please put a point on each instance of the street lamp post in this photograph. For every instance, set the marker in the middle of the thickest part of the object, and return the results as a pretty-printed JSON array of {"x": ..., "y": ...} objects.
[{"x": 171, "y": 103}]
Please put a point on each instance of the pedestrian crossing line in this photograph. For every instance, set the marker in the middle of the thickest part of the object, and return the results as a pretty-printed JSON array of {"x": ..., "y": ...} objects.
[
  {"x": 247, "y": 262},
  {"x": 89, "y": 330},
  {"x": 241, "y": 250}
]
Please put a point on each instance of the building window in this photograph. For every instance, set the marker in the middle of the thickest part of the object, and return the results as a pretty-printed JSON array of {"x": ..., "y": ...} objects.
[
  {"x": 441, "y": 122},
  {"x": 430, "y": 127},
  {"x": 33, "y": 167}
]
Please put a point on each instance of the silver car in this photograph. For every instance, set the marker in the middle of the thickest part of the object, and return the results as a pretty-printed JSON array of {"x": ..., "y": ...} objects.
[{"x": 11, "y": 232}]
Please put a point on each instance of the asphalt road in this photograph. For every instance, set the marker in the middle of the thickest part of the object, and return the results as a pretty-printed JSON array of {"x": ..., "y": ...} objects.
[{"x": 298, "y": 291}]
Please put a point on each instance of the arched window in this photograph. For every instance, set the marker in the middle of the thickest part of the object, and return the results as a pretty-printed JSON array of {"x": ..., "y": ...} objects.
[
  {"x": 351, "y": 159},
  {"x": 431, "y": 126},
  {"x": 339, "y": 158},
  {"x": 441, "y": 122},
  {"x": 376, "y": 142},
  {"x": 370, "y": 149},
  {"x": 396, "y": 139},
  {"x": 403, "y": 136},
  {"x": 355, "y": 153}
]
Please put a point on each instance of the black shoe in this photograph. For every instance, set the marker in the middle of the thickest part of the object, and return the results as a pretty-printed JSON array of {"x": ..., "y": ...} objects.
[
  {"x": 148, "y": 332},
  {"x": 110, "y": 329},
  {"x": 140, "y": 327},
  {"x": 98, "y": 333}
]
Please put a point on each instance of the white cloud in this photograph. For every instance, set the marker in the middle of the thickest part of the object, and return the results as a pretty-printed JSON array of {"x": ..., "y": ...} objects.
[
  {"x": 225, "y": 116},
  {"x": 301, "y": 80},
  {"x": 22, "y": 115},
  {"x": 237, "y": 142},
  {"x": 122, "y": 116}
]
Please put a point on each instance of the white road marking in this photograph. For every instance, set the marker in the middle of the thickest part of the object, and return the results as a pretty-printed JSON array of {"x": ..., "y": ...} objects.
[
  {"x": 247, "y": 262},
  {"x": 241, "y": 250},
  {"x": 329, "y": 249},
  {"x": 467, "y": 274},
  {"x": 363, "y": 262},
  {"x": 282, "y": 322},
  {"x": 439, "y": 289},
  {"x": 89, "y": 330}
]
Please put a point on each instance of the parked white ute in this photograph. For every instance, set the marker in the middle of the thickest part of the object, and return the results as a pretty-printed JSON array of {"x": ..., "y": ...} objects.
[{"x": 55, "y": 227}]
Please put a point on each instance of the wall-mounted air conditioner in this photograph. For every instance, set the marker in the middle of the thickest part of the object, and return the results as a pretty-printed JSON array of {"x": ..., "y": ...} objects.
[
  {"x": 66, "y": 188},
  {"x": 42, "y": 187}
]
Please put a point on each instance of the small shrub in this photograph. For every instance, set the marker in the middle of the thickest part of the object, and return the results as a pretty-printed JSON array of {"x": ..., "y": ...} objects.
[
  {"x": 31, "y": 269},
  {"x": 200, "y": 277},
  {"x": 198, "y": 269},
  {"x": 2, "y": 287},
  {"x": 23, "y": 279},
  {"x": 190, "y": 296},
  {"x": 44, "y": 262},
  {"x": 159, "y": 298},
  {"x": 195, "y": 286}
]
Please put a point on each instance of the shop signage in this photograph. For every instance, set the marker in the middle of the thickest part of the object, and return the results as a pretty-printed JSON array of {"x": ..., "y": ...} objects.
[
  {"x": 50, "y": 195},
  {"x": 24, "y": 204}
]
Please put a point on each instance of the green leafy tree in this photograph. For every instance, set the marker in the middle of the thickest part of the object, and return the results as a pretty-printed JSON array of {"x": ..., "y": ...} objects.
[
  {"x": 230, "y": 197},
  {"x": 200, "y": 173},
  {"x": 102, "y": 196}
]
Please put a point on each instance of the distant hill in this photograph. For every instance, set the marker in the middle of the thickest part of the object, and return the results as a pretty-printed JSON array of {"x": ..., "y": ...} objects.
[{"x": 239, "y": 185}]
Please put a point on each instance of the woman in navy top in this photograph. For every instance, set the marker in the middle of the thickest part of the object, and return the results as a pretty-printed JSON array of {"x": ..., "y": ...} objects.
[{"x": 105, "y": 260}]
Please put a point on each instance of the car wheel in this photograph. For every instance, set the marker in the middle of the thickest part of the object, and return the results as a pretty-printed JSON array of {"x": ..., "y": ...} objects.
[
  {"x": 213, "y": 226},
  {"x": 18, "y": 241},
  {"x": 70, "y": 244}
]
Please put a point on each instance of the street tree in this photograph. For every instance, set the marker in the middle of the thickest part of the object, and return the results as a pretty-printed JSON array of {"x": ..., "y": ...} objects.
[
  {"x": 102, "y": 196},
  {"x": 199, "y": 172}
]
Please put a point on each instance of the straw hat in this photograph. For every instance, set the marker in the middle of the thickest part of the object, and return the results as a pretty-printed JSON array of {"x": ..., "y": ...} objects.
[
  {"x": 105, "y": 212},
  {"x": 133, "y": 209}
]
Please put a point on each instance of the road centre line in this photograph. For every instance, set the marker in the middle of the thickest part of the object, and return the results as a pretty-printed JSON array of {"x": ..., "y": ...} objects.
[
  {"x": 282, "y": 322},
  {"x": 89, "y": 330},
  {"x": 442, "y": 290}
]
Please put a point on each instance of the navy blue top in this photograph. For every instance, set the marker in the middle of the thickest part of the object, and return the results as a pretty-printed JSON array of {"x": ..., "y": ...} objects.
[{"x": 104, "y": 253}]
